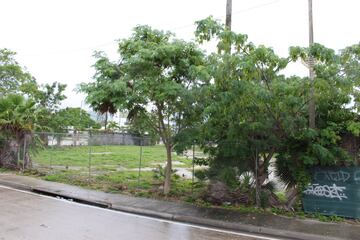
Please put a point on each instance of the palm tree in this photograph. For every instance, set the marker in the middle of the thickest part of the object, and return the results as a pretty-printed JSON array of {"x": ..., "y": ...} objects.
[
  {"x": 17, "y": 122},
  {"x": 101, "y": 92}
]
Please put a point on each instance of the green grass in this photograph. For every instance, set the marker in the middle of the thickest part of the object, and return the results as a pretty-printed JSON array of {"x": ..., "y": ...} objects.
[
  {"x": 113, "y": 168},
  {"x": 124, "y": 182},
  {"x": 282, "y": 196},
  {"x": 109, "y": 182},
  {"x": 105, "y": 157},
  {"x": 2, "y": 170}
]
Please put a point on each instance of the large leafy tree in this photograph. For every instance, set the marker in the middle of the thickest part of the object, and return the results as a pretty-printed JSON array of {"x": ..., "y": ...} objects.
[
  {"x": 153, "y": 83},
  {"x": 255, "y": 112},
  {"x": 243, "y": 120},
  {"x": 159, "y": 74},
  {"x": 336, "y": 84}
]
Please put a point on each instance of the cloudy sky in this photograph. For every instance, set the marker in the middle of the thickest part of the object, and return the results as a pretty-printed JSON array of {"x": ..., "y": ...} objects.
[{"x": 55, "y": 39}]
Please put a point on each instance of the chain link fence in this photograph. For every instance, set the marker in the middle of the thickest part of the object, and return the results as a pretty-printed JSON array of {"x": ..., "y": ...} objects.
[
  {"x": 112, "y": 162},
  {"x": 109, "y": 162}
]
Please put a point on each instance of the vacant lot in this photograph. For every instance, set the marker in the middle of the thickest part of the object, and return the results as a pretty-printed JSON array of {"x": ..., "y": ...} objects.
[
  {"x": 107, "y": 157},
  {"x": 111, "y": 168}
]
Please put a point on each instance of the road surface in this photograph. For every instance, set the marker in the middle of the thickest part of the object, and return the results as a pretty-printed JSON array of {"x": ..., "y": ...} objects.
[{"x": 25, "y": 215}]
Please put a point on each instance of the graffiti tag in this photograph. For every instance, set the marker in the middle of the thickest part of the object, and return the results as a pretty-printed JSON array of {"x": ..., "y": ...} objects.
[
  {"x": 336, "y": 176},
  {"x": 357, "y": 176},
  {"x": 326, "y": 191}
]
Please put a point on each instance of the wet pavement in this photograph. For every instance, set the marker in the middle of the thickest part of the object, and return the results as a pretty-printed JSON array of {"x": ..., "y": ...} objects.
[
  {"x": 27, "y": 215},
  {"x": 252, "y": 222}
]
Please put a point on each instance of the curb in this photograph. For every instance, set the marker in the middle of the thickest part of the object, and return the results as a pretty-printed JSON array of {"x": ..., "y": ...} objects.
[
  {"x": 252, "y": 228},
  {"x": 18, "y": 186},
  {"x": 270, "y": 232}
]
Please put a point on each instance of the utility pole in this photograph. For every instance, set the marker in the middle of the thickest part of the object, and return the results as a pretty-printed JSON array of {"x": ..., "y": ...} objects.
[
  {"x": 228, "y": 14},
  {"x": 311, "y": 70}
]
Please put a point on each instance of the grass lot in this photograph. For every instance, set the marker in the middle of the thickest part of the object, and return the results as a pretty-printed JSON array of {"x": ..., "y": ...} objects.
[
  {"x": 150, "y": 183},
  {"x": 106, "y": 157},
  {"x": 108, "y": 182},
  {"x": 113, "y": 169}
]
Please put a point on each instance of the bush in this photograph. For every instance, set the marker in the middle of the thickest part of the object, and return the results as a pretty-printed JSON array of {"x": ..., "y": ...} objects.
[{"x": 201, "y": 174}]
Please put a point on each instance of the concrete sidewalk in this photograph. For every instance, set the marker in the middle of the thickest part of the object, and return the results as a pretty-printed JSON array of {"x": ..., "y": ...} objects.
[{"x": 220, "y": 218}]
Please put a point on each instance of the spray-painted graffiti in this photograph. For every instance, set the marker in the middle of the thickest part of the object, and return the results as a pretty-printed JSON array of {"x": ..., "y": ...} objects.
[
  {"x": 357, "y": 176},
  {"x": 339, "y": 176},
  {"x": 326, "y": 191},
  {"x": 336, "y": 176}
]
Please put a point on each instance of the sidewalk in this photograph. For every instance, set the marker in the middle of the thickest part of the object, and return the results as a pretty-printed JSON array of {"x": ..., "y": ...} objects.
[{"x": 269, "y": 224}]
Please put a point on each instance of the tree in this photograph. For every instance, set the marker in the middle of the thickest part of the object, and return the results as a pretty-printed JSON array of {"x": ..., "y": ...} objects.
[
  {"x": 113, "y": 126},
  {"x": 242, "y": 119},
  {"x": 157, "y": 73},
  {"x": 337, "y": 117},
  {"x": 102, "y": 92},
  {"x": 77, "y": 118},
  {"x": 13, "y": 78},
  {"x": 22, "y": 115},
  {"x": 49, "y": 96},
  {"x": 254, "y": 112},
  {"x": 48, "y": 99},
  {"x": 17, "y": 121}
]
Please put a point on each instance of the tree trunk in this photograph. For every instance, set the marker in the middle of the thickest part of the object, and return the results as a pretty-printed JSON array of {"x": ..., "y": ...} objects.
[
  {"x": 168, "y": 169},
  {"x": 9, "y": 154},
  {"x": 257, "y": 180},
  {"x": 106, "y": 120},
  {"x": 44, "y": 138},
  {"x": 292, "y": 197},
  {"x": 262, "y": 173},
  {"x": 27, "y": 160},
  {"x": 74, "y": 138},
  {"x": 58, "y": 140}
]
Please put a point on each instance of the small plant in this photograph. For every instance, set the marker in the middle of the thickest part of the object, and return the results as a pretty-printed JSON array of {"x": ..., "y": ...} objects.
[
  {"x": 189, "y": 199},
  {"x": 159, "y": 173},
  {"x": 281, "y": 196},
  {"x": 201, "y": 174},
  {"x": 335, "y": 218},
  {"x": 246, "y": 181},
  {"x": 228, "y": 176}
]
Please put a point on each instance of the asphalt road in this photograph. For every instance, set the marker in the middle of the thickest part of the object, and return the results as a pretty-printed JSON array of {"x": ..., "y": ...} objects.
[{"x": 25, "y": 215}]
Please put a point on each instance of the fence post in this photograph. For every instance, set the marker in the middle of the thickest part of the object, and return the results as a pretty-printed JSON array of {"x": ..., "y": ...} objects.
[
  {"x": 257, "y": 187},
  {"x": 90, "y": 153},
  {"x": 52, "y": 152},
  {"x": 24, "y": 153},
  {"x": 193, "y": 168},
  {"x": 18, "y": 156},
  {"x": 140, "y": 159}
]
